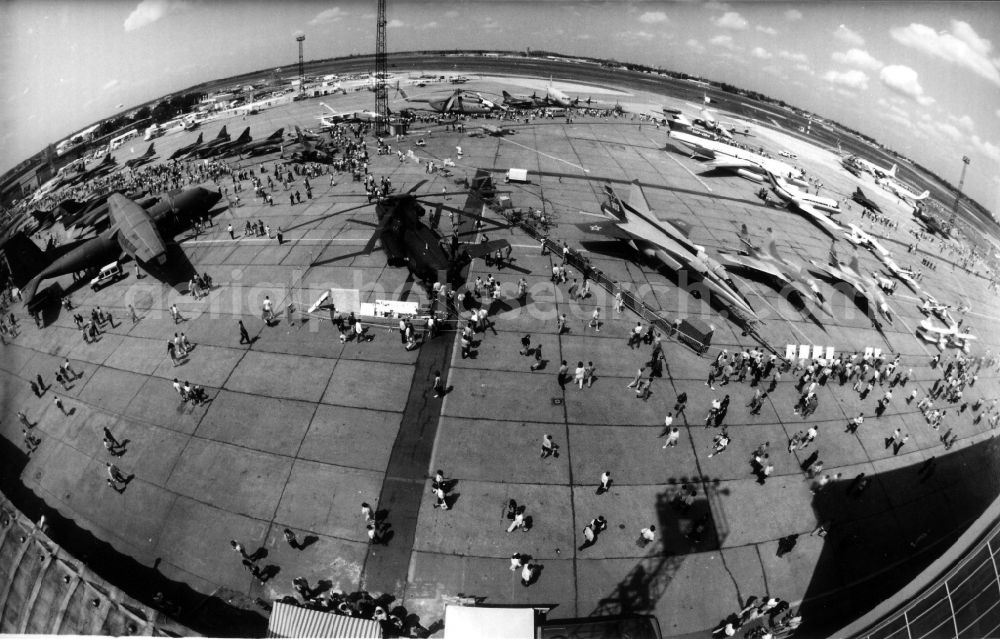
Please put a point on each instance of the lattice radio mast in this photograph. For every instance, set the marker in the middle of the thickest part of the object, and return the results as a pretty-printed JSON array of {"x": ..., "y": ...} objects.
[{"x": 381, "y": 73}]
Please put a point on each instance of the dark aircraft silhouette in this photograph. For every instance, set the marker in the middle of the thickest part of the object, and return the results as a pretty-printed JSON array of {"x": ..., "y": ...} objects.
[
  {"x": 305, "y": 150},
  {"x": 220, "y": 139},
  {"x": 407, "y": 241},
  {"x": 187, "y": 149},
  {"x": 455, "y": 103},
  {"x": 259, "y": 147},
  {"x": 142, "y": 159},
  {"x": 522, "y": 102},
  {"x": 862, "y": 199},
  {"x": 931, "y": 223},
  {"x": 224, "y": 148},
  {"x": 134, "y": 230},
  {"x": 104, "y": 167}
]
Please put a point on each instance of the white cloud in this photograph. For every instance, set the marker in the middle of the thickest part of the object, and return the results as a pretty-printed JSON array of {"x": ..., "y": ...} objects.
[
  {"x": 962, "y": 46},
  {"x": 768, "y": 30},
  {"x": 110, "y": 84},
  {"x": 652, "y": 17},
  {"x": 794, "y": 57},
  {"x": 792, "y": 15},
  {"x": 988, "y": 149},
  {"x": 853, "y": 78},
  {"x": 328, "y": 16},
  {"x": 731, "y": 20},
  {"x": 453, "y": 13},
  {"x": 774, "y": 70},
  {"x": 724, "y": 41},
  {"x": 395, "y": 24},
  {"x": 429, "y": 25},
  {"x": 697, "y": 47},
  {"x": 904, "y": 81},
  {"x": 760, "y": 52},
  {"x": 948, "y": 129},
  {"x": 964, "y": 122},
  {"x": 804, "y": 68},
  {"x": 847, "y": 36},
  {"x": 857, "y": 58},
  {"x": 149, "y": 11}
]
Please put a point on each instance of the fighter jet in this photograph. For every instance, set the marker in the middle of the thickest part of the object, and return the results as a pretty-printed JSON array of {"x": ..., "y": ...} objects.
[
  {"x": 497, "y": 131},
  {"x": 259, "y": 147},
  {"x": 728, "y": 157},
  {"x": 860, "y": 238},
  {"x": 862, "y": 199},
  {"x": 184, "y": 150},
  {"x": 202, "y": 151},
  {"x": 142, "y": 159},
  {"x": 134, "y": 230},
  {"x": 633, "y": 222},
  {"x": 303, "y": 150},
  {"x": 850, "y": 274},
  {"x": 522, "y": 101},
  {"x": 769, "y": 263},
  {"x": 805, "y": 204},
  {"x": 224, "y": 148}
]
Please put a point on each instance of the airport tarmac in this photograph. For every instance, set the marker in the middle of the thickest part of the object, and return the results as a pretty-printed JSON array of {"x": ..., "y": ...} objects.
[{"x": 301, "y": 429}]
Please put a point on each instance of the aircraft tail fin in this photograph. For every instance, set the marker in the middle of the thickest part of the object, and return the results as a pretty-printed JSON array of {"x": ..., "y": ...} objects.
[
  {"x": 892, "y": 171},
  {"x": 200, "y": 136},
  {"x": 923, "y": 196},
  {"x": 401, "y": 92},
  {"x": 151, "y": 151},
  {"x": 23, "y": 258},
  {"x": 277, "y": 134},
  {"x": 245, "y": 136},
  {"x": 637, "y": 199},
  {"x": 506, "y": 96}
]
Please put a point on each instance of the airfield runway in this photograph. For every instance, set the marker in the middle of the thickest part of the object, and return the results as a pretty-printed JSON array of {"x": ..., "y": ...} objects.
[{"x": 302, "y": 429}]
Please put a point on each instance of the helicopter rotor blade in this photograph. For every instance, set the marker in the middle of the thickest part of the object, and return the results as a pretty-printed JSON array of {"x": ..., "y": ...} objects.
[
  {"x": 416, "y": 186},
  {"x": 473, "y": 216}
]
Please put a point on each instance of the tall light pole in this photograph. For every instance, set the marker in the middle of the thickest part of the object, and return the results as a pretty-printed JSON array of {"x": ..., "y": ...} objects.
[
  {"x": 301, "y": 38},
  {"x": 958, "y": 196}
]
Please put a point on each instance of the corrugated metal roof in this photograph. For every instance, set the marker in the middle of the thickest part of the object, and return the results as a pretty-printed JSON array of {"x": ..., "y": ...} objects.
[
  {"x": 44, "y": 590},
  {"x": 294, "y": 621}
]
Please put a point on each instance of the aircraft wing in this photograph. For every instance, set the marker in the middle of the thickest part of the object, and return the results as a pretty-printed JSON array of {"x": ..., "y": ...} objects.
[
  {"x": 729, "y": 162},
  {"x": 486, "y": 248},
  {"x": 137, "y": 234},
  {"x": 732, "y": 260},
  {"x": 605, "y": 228},
  {"x": 818, "y": 218}
]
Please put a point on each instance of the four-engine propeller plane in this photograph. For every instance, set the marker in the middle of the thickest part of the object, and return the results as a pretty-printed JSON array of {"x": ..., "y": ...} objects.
[{"x": 134, "y": 230}]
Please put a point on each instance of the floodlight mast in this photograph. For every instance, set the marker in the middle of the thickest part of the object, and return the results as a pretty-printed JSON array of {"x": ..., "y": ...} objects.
[
  {"x": 301, "y": 38},
  {"x": 381, "y": 75}
]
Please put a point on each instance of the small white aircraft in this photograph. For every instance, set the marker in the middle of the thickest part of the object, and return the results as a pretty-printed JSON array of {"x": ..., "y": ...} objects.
[
  {"x": 944, "y": 336},
  {"x": 859, "y": 237},
  {"x": 812, "y": 207},
  {"x": 931, "y": 306},
  {"x": 901, "y": 191}
]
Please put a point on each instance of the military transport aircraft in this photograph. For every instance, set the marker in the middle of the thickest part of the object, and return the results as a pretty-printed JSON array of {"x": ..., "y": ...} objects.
[
  {"x": 134, "y": 230},
  {"x": 633, "y": 222}
]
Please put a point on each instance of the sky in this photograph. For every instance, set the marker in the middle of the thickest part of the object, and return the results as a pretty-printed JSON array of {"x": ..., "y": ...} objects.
[{"x": 921, "y": 77}]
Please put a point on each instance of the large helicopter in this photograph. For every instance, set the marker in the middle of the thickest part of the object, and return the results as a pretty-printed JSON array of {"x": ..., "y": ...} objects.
[{"x": 407, "y": 241}]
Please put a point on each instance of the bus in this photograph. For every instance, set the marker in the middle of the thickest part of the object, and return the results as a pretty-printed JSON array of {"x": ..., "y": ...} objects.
[{"x": 121, "y": 139}]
